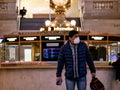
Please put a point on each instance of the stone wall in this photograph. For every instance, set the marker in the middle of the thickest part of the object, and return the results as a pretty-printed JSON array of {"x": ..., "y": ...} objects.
[
  {"x": 101, "y": 9},
  {"x": 111, "y": 26},
  {"x": 45, "y": 79},
  {"x": 7, "y": 27},
  {"x": 102, "y": 18},
  {"x": 8, "y": 16}
]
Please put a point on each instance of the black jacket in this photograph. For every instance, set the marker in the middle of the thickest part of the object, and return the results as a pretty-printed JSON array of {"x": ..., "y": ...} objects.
[
  {"x": 66, "y": 58},
  {"x": 117, "y": 68}
]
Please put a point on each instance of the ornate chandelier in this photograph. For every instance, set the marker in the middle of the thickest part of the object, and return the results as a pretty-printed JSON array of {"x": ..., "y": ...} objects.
[{"x": 60, "y": 23}]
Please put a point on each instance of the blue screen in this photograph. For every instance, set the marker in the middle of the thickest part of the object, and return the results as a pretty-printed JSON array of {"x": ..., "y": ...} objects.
[
  {"x": 50, "y": 54},
  {"x": 112, "y": 58}
]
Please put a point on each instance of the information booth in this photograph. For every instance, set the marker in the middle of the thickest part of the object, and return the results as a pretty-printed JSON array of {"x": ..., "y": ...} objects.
[
  {"x": 32, "y": 57},
  {"x": 45, "y": 46}
]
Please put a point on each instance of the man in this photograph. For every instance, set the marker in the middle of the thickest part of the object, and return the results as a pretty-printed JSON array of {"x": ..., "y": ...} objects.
[
  {"x": 74, "y": 55},
  {"x": 117, "y": 67}
]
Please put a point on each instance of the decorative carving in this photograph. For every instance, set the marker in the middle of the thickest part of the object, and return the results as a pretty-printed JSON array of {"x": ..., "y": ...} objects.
[
  {"x": 3, "y": 6},
  {"x": 7, "y": 11},
  {"x": 102, "y": 9}
]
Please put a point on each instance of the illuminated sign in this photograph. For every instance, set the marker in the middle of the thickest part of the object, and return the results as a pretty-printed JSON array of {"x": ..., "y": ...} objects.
[
  {"x": 11, "y": 39},
  {"x": 97, "y": 37},
  {"x": 1, "y": 39},
  {"x": 52, "y": 37},
  {"x": 29, "y": 38}
]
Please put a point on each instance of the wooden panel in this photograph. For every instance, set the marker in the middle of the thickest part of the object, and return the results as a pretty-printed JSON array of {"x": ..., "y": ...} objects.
[{"x": 43, "y": 15}]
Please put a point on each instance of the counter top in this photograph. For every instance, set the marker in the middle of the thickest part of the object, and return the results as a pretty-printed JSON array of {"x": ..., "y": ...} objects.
[{"x": 43, "y": 65}]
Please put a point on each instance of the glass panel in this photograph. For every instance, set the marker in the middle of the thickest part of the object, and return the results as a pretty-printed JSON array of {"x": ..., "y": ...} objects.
[
  {"x": 30, "y": 51},
  {"x": 98, "y": 50},
  {"x": 103, "y": 4},
  {"x": 1, "y": 52},
  {"x": 28, "y": 55},
  {"x": 50, "y": 50},
  {"x": 11, "y": 53},
  {"x": 114, "y": 38},
  {"x": 113, "y": 49}
]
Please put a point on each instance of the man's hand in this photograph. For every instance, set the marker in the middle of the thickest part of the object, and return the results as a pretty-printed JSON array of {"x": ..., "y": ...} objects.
[
  {"x": 93, "y": 74},
  {"x": 58, "y": 81},
  {"x": 58, "y": 78}
]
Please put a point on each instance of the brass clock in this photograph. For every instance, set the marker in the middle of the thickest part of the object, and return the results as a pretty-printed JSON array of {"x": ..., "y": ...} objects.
[
  {"x": 54, "y": 4},
  {"x": 60, "y": 2}
]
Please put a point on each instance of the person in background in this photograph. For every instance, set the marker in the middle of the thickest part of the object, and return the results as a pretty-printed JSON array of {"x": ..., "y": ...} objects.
[
  {"x": 74, "y": 55},
  {"x": 23, "y": 12},
  {"x": 117, "y": 67}
]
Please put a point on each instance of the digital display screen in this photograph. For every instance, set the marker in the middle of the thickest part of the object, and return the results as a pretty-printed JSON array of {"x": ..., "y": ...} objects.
[
  {"x": 51, "y": 50},
  {"x": 50, "y": 54},
  {"x": 112, "y": 58}
]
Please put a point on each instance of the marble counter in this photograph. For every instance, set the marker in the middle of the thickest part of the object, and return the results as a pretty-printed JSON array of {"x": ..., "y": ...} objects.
[
  {"x": 42, "y": 76},
  {"x": 44, "y": 65}
]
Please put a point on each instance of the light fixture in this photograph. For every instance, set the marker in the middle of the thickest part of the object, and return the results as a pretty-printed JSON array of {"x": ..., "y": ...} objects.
[
  {"x": 97, "y": 37},
  {"x": 73, "y": 22},
  {"x": 60, "y": 23},
  {"x": 29, "y": 38},
  {"x": 114, "y": 44},
  {"x": 42, "y": 29},
  {"x": 46, "y": 0},
  {"x": 52, "y": 37},
  {"x": 11, "y": 39},
  {"x": 118, "y": 43},
  {"x": 47, "y": 22},
  {"x": 60, "y": 2},
  {"x": 1, "y": 39}
]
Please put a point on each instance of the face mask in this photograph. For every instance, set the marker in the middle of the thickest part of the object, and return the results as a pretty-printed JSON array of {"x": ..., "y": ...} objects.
[{"x": 76, "y": 40}]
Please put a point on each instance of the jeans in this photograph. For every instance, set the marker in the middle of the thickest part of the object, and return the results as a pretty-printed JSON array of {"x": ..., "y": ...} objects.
[{"x": 81, "y": 83}]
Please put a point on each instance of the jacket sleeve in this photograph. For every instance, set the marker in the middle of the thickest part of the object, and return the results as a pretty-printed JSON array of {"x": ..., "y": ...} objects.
[
  {"x": 90, "y": 60},
  {"x": 60, "y": 63}
]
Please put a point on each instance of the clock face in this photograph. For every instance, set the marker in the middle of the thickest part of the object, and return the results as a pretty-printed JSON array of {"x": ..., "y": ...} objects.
[{"x": 60, "y": 2}]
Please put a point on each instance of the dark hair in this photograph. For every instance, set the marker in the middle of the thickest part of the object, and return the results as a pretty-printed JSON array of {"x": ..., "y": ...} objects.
[{"x": 72, "y": 33}]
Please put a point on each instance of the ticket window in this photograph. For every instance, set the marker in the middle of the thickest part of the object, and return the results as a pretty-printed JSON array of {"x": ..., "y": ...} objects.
[
  {"x": 98, "y": 51},
  {"x": 51, "y": 46},
  {"x": 11, "y": 53},
  {"x": 29, "y": 48},
  {"x": 27, "y": 54},
  {"x": 11, "y": 49},
  {"x": 1, "y": 49},
  {"x": 98, "y": 47},
  {"x": 30, "y": 52},
  {"x": 113, "y": 48}
]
